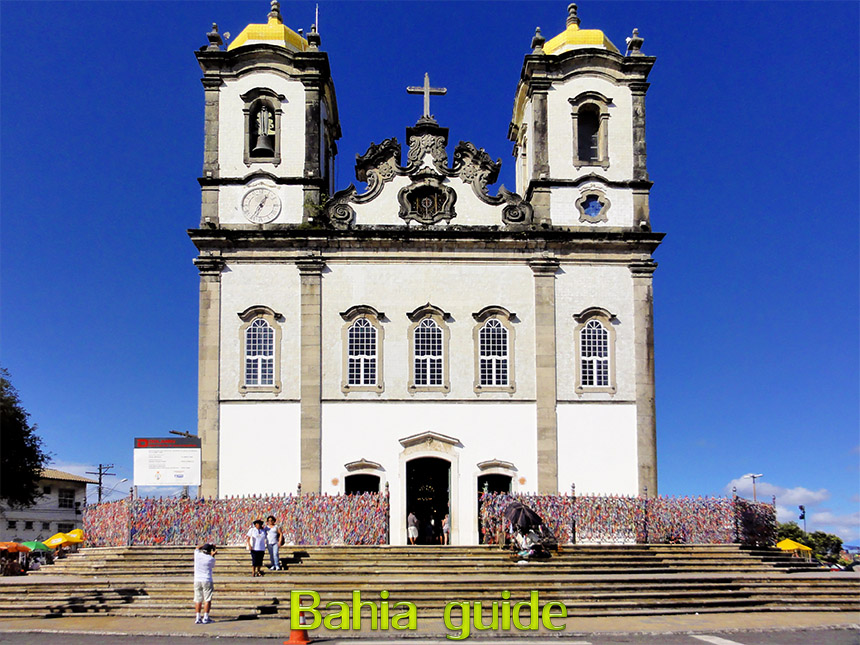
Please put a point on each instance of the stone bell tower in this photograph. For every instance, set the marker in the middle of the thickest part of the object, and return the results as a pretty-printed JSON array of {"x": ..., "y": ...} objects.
[
  {"x": 271, "y": 125},
  {"x": 578, "y": 129}
]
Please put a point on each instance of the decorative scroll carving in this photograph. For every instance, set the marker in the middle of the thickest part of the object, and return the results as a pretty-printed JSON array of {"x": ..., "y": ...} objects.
[
  {"x": 379, "y": 165},
  {"x": 427, "y": 201},
  {"x": 516, "y": 210},
  {"x": 476, "y": 167},
  {"x": 337, "y": 212},
  {"x": 422, "y": 144}
]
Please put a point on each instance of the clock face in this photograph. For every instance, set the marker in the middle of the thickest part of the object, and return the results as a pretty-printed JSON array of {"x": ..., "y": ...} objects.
[{"x": 261, "y": 205}]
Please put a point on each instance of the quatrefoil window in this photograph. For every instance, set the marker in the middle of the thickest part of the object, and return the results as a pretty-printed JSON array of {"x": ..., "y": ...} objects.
[{"x": 592, "y": 206}]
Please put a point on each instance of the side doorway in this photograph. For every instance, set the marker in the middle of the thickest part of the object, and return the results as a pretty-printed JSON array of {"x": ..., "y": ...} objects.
[{"x": 491, "y": 483}]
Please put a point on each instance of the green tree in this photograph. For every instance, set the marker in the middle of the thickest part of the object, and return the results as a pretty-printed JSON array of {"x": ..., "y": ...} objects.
[
  {"x": 791, "y": 531},
  {"x": 21, "y": 455},
  {"x": 826, "y": 545}
]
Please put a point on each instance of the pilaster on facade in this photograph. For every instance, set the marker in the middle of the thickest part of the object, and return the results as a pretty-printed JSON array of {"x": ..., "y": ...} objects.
[
  {"x": 310, "y": 271},
  {"x": 209, "y": 350},
  {"x": 545, "y": 269},
  {"x": 646, "y": 411},
  {"x": 640, "y": 165}
]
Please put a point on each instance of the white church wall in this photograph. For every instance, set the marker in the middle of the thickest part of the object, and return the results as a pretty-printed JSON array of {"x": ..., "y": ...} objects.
[
  {"x": 278, "y": 287},
  {"x": 460, "y": 289},
  {"x": 259, "y": 448},
  {"x": 560, "y": 128},
  {"x": 372, "y": 430},
  {"x": 564, "y": 212},
  {"x": 231, "y": 133},
  {"x": 578, "y": 287},
  {"x": 597, "y": 448}
]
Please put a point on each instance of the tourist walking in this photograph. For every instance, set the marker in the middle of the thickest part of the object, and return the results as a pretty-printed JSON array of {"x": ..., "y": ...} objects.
[
  {"x": 257, "y": 547},
  {"x": 204, "y": 563},
  {"x": 274, "y": 541},
  {"x": 412, "y": 527}
]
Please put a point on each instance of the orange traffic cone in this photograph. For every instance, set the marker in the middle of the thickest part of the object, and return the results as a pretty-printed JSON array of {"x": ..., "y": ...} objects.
[{"x": 299, "y": 636}]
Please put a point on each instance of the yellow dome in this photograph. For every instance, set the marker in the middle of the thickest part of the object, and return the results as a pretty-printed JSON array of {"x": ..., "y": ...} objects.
[
  {"x": 274, "y": 32},
  {"x": 573, "y": 37}
]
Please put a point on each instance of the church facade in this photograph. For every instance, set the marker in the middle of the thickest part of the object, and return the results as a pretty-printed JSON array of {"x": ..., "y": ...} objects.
[{"x": 426, "y": 334}]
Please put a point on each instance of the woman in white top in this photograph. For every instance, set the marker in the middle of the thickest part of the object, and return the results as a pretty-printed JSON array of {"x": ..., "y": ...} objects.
[
  {"x": 274, "y": 540},
  {"x": 257, "y": 546}
]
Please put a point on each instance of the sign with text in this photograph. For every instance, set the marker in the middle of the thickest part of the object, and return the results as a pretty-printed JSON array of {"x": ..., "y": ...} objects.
[{"x": 160, "y": 461}]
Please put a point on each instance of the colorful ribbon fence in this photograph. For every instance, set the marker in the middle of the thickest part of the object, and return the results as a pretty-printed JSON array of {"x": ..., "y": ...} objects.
[
  {"x": 304, "y": 519},
  {"x": 622, "y": 519}
]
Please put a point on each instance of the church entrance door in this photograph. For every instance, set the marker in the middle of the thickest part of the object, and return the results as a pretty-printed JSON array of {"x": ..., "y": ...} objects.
[
  {"x": 428, "y": 495},
  {"x": 491, "y": 484},
  {"x": 358, "y": 484}
]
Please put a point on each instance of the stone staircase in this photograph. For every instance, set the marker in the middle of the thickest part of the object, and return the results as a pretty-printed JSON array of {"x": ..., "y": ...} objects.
[{"x": 610, "y": 580}]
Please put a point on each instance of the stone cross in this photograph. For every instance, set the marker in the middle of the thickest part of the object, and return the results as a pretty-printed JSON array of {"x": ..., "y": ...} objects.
[{"x": 426, "y": 90}]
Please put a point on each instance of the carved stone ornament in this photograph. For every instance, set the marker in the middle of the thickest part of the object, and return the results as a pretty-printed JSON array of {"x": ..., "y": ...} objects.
[
  {"x": 337, "y": 211},
  {"x": 422, "y": 144},
  {"x": 427, "y": 201},
  {"x": 476, "y": 168},
  {"x": 379, "y": 165}
]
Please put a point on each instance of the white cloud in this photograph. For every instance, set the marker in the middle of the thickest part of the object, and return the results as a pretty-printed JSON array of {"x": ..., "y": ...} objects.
[
  {"x": 787, "y": 501},
  {"x": 784, "y": 496}
]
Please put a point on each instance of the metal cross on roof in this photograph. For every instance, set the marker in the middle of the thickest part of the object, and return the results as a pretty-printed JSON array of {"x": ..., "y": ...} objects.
[{"x": 426, "y": 90}]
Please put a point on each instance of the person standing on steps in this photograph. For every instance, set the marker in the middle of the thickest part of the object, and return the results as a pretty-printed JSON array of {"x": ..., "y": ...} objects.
[
  {"x": 274, "y": 541},
  {"x": 204, "y": 563},
  {"x": 257, "y": 547},
  {"x": 412, "y": 527}
]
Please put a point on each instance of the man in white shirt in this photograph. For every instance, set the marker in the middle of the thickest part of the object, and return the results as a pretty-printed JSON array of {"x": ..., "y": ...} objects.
[{"x": 204, "y": 562}]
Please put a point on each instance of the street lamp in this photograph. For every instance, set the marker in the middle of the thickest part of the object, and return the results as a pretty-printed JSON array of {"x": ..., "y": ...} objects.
[{"x": 753, "y": 477}]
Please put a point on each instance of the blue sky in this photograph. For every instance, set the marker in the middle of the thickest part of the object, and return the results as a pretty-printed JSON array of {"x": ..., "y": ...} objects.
[{"x": 752, "y": 120}]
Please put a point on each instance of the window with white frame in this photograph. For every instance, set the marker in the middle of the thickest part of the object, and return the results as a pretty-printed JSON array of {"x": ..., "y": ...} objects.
[
  {"x": 493, "y": 336},
  {"x": 594, "y": 354},
  {"x": 428, "y": 346},
  {"x": 260, "y": 342},
  {"x": 595, "y": 351},
  {"x": 259, "y": 354},
  {"x": 362, "y": 336},
  {"x": 361, "y": 353},
  {"x": 493, "y": 351},
  {"x": 428, "y": 353}
]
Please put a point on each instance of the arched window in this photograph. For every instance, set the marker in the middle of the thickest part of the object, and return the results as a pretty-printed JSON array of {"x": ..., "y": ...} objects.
[
  {"x": 262, "y": 130},
  {"x": 590, "y": 114},
  {"x": 588, "y": 125},
  {"x": 362, "y": 336},
  {"x": 259, "y": 354},
  {"x": 594, "y": 354},
  {"x": 428, "y": 353},
  {"x": 595, "y": 351},
  {"x": 493, "y": 351},
  {"x": 260, "y": 345},
  {"x": 361, "y": 353},
  {"x": 428, "y": 342}
]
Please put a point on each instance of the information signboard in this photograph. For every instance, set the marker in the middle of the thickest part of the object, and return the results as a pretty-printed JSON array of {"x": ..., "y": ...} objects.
[{"x": 160, "y": 461}]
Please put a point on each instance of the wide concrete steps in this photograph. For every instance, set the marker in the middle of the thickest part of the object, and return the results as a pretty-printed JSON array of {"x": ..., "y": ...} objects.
[{"x": 589, "y": 580}]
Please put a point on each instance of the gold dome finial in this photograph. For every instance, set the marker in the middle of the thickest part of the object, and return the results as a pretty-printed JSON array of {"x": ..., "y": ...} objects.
[
  {"x": 275, "y": 13},
  {"x": 572, "y": 17}
]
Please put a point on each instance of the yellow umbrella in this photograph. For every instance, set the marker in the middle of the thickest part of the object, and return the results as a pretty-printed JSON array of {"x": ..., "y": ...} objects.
[
  {"x": 791, "y": 545},
  {"x": 57, "y": 540},
  {"x": 76, "y": 533}
]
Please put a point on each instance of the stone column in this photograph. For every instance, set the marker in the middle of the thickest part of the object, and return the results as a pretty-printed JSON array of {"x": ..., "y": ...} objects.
[
  {"x": 545, "y": 374},
  {"x": 208, "y": 388},
  {"x": 646, "y": 412},
  {"x": 540, "y": 196},
  {"x": 310, "y": 270},
  {"x": 211, "y": 88}
]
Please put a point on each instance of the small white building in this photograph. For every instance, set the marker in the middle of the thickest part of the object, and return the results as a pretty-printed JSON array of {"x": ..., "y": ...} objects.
[
  {"x": 423, "y": 333},
  {"x": 59, "y": 509}
]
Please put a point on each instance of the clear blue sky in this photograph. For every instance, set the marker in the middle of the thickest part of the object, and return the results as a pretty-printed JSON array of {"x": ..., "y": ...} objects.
[{"x": 752, "y": 144}]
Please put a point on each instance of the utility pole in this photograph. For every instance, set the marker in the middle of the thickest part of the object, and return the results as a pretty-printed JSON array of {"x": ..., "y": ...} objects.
[{"x": 102, "y": 473}]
